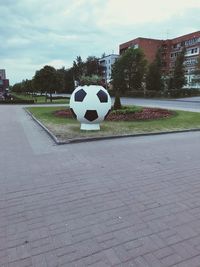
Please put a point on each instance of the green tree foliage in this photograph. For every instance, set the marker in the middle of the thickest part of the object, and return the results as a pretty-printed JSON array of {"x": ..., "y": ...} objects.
[
  {"x": 26, "y": 86},
  {"x": 92, "y": 66},
  {"x": 69, "y": 80},
  {"x": 17, "y": 88},
  {"x": 131, "y": 67},
  {"x": 119, "y": 76},
  {"x": 78, "y": 68},
  {"x": 154, "y": 80},
  {"x": 89, "y": 80},
  {"x": 135, "y": 66},
  {"x": 47, "y": 80},
  {"x": 87, "y": 68},
  {"x": 128, "y": 72},
  {"x": 178, "y": 77},
  {"x": 66, "y": 78},
  {"x": 61, "y": 77},
  {"x": 118, "y": 81}
]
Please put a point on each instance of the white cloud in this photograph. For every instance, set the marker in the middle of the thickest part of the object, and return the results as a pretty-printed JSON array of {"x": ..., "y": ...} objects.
[
  {"x": 19, "y": 69},
  {"x": 129, "y": 12},
  {"x": 35, "y": 33},
  {"x": 57, "y": 63},
  {"x": 17, "y": 41}
]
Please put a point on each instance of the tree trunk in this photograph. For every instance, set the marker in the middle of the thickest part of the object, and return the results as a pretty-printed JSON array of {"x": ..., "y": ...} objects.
[{"x": 117, "y": 103}]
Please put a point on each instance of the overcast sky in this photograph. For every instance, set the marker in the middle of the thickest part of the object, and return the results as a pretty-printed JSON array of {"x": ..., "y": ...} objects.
[{"x": 34, "y": 33}]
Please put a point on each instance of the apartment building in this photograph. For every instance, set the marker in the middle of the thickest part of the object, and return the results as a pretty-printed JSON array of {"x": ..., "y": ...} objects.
[
  {"x": 106, "y": 62},
  {"x": 4, "y": 83},
  {"x": 149, "y": 46},
  {"x": 170, "y": 49},
  {"x": 191, "y": 42}
]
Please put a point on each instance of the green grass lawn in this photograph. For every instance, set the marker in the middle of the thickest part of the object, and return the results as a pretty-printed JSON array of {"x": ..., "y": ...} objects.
[
  {"x": 65, "y": 129},
  {"x": 41, "y": 99}
]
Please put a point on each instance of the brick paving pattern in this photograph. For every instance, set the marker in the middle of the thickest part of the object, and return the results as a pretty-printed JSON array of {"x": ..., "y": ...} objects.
[{"x": 128, "y": 202}]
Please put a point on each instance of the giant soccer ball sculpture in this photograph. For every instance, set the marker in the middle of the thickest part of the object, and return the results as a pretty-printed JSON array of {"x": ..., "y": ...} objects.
[{"x": 90, "y": 105}]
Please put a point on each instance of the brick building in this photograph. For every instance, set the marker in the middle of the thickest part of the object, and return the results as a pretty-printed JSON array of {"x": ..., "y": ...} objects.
[
  {"x": 4, "y": 83},
  {"x": 170, "y": 49}
]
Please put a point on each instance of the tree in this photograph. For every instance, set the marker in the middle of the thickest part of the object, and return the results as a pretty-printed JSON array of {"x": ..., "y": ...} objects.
[
  {"x": 26, "y": 86},
  {"x": 178, "y": 77},
  {"x": 69, "y": 80},
  {"x": 78, "y": 68},
  {"x": 88, "y": 68},
  {"x": 134, "y": 66},
  {"x": 17, "y": 88},
  {"x": 154, "y": 80},
  {"x": 128, "y": 72},
  {"x": 118, "y": 81},
  {"x": 47, "y": 80},
  {"x": 92, "y": 66}
]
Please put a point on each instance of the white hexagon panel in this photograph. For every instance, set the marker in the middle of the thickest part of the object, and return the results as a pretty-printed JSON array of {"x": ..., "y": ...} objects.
[{"x": 90, "y": 105}]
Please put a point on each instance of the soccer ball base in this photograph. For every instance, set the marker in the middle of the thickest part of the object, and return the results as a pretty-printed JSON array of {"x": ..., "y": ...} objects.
[
  {"x": 90, "y": 105},
  {"x": 90, "y": 127}
]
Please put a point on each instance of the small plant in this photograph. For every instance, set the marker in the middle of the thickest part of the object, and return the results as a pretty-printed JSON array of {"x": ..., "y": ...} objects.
[
  {"x": 90, "y": 80},
  {"x": 126, "y": 110}
]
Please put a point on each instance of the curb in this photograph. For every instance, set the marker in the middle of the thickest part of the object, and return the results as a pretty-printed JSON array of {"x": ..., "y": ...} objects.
[
  {"x": 90, "y": 139},
  {"x": 55, "y": 139}
]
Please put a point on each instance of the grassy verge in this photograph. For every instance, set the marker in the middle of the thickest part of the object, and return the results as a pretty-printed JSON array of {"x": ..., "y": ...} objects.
[
  {"x": 41, "y": 99},
  {"x": 65, "y": 129}
]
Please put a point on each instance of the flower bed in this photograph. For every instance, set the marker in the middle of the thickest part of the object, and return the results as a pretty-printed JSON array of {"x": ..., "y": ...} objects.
[
  {"x": 145, "y": 120},
  {"x": 126, "y": 115}
]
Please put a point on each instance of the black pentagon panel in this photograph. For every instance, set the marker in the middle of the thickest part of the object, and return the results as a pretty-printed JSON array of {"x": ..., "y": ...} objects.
[
  {"x": 91, "y": 115},
  {"x": 80, "y": 95},
  {"x": 103, "y": 97},
  {"x": 73, "y": 113},
  {"x": 107, "y": 114}
]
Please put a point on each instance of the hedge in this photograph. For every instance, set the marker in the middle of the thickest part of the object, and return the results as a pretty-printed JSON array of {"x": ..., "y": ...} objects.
[
  {"x": 17, "y": 101},
  {"x": 186, "y": 92},
  {"x": 58, "y": 97}
]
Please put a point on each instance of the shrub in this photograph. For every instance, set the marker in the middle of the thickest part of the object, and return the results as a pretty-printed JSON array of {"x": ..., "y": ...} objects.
[
  {"x": 17, "y": 101},
  {"x": 58, "y": 97}
]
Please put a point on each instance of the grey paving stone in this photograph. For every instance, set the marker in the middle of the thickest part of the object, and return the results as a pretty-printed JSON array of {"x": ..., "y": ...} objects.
[{"x": 131, "y": 202}]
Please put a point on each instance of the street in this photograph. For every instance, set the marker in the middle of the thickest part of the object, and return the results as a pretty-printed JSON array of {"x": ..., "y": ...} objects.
[{"x": 188, "y": 104}]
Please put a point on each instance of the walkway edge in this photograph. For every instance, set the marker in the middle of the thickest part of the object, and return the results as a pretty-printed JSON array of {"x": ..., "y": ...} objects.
[
  {"x": 89, "y": 139},
  {"x": 55, "y": 139}
]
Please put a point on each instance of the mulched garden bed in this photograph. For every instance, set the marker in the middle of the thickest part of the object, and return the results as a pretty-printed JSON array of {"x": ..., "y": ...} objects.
[{"x": 120, "y": 115}]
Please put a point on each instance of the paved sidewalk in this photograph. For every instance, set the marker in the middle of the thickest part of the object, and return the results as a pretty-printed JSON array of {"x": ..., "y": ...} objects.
[{"x": 126, "y": 202}]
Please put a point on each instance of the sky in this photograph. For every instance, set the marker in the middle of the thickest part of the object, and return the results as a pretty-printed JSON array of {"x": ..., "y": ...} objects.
[{"x": 35, "y": 33}]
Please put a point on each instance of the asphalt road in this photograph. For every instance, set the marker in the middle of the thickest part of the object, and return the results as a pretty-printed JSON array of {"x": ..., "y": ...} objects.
[
  {"x": 188, "y": 104},
  {"x": 123, "y": 202}
]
